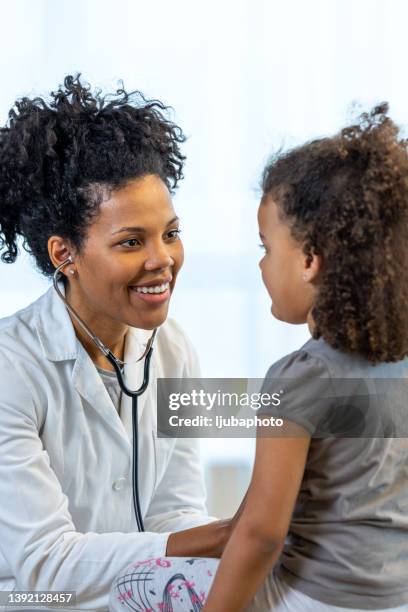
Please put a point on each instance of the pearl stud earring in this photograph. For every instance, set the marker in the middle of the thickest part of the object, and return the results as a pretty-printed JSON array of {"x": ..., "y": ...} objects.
[{"x": 72, "y": 271}]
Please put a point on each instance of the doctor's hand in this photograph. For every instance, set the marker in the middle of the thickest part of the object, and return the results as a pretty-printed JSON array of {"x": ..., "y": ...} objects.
[{"x": 204, "y": 541}]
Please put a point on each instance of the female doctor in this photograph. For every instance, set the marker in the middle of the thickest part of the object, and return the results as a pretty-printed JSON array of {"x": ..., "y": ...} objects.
[{"x": 90, "y": 178}]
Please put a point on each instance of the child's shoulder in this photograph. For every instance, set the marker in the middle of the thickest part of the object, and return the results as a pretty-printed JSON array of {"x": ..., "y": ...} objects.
[
  {"x": 308, "y": 360},
  {"x": 319, "y": 359}
]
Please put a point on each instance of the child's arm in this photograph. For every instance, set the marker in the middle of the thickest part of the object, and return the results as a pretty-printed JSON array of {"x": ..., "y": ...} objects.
[{"x": 257, "y": 540}]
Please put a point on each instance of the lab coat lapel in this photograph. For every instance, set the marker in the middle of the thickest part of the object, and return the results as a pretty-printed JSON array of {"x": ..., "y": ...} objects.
[
  {"x": 89, "y": 385},
  {"x": 136, "y": 340},
  {"x": 59, "y": 342}
]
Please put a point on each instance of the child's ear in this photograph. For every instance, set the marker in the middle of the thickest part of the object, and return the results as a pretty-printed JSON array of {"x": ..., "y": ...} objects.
[{"x": 312, "y": 266}]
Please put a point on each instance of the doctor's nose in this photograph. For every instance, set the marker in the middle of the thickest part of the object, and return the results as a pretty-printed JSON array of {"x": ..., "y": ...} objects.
[{"x": 159, "y": 260}]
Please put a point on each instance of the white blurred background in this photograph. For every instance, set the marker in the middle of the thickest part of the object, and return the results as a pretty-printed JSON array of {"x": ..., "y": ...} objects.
[{"x": 244, "y": 77}]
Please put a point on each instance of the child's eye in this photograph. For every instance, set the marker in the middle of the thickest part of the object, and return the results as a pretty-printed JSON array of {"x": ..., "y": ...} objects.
[
  {"x": 262, "y": 246},
  {"x": 174, "y": 234}
]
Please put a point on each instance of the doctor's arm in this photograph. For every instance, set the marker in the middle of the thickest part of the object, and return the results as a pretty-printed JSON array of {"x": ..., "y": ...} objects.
[
  {"x": 39, "y": 542},
  {"x": 258, "y": 538},
  {"x": 178, "y": 505}
]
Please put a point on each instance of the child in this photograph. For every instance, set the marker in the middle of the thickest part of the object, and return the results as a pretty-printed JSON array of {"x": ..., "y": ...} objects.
[{"x": 325, "y": 522}]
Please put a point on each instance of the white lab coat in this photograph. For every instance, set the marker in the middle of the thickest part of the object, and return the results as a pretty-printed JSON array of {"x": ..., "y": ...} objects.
[{"x": 66, "y": 510}]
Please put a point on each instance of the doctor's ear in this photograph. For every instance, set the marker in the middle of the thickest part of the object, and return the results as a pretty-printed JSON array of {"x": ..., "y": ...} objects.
[{"x": 59, "y": 250}]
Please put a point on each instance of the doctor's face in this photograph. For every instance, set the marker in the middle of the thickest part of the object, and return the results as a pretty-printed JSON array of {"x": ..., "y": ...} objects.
[{"x": 127, "y": 268}]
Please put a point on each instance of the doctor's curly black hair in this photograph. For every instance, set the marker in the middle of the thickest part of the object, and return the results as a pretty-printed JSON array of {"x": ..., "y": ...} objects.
[
  {"x": 346, "y": 198},
  {"x": 54, "y": 152}
]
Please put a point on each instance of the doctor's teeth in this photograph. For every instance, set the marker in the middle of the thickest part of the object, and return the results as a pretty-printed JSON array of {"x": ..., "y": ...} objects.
[{"x": 157, "y": 289}]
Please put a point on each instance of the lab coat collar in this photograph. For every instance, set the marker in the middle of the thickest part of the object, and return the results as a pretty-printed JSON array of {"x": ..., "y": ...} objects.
[
  {"x": 57, "y": 334},
  {"x": 54, "y": 327}
]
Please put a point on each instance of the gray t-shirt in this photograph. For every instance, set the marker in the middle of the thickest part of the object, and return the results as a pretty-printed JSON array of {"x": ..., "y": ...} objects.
[
  {"x": 348, "y": 539},
  {"x": 112, "y": 386}
]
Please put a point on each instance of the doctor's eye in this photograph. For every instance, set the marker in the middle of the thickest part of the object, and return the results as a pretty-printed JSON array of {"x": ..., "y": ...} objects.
[
  {"x": 174, "y": 234},
  {"x": 131, "y": 242}
]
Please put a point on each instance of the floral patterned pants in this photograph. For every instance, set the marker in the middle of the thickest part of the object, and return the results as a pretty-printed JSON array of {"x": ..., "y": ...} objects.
[
  {"x": 182, "y": 584},
  {"x": 168, "y": 584}
]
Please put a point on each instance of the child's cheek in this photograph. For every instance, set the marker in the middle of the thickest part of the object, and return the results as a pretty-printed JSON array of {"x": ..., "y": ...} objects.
[{"x": 268, "y": 278}]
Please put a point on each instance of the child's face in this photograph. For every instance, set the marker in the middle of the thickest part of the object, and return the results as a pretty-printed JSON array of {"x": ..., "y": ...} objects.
[{"x": 286, "y": 273}]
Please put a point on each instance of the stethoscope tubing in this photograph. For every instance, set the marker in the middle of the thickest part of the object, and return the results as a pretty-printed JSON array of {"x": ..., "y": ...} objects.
[
  {"x": 135, "y": 425},
  {"x": 133, "y": 394}
]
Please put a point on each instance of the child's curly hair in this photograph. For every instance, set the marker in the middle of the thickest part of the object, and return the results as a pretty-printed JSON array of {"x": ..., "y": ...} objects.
[
  {"x": 58, "y": 158},
  {"x": 346, "y": 198}
]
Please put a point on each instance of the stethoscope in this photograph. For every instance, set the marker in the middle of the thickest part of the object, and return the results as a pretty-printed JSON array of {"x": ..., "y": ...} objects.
[{"x": 117, "y": 363}]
